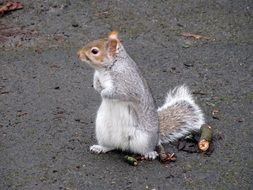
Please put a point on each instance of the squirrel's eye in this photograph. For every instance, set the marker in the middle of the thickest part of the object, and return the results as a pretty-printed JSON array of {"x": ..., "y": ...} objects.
[{"x": 94, "y": 51}]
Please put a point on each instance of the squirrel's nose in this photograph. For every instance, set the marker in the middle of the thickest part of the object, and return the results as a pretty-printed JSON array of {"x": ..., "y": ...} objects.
[{"x": 81, "y": 54}]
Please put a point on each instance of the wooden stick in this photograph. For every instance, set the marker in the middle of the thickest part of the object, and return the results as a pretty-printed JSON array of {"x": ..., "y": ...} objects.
[
  {"x": 205, "y": 138},
  {"x": 130, "y": 160},
  {"x": 161, "y": 152}
]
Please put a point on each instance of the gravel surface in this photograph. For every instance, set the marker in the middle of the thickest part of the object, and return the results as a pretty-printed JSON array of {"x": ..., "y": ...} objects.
[{"x": 48, "y": 105}]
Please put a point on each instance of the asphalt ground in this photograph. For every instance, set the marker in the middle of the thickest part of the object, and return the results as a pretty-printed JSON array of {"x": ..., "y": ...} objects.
[{"x": 48, "y": 105}]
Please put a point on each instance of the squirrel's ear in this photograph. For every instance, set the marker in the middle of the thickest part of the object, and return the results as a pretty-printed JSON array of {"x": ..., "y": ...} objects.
[{"x": 113, "y": 42}]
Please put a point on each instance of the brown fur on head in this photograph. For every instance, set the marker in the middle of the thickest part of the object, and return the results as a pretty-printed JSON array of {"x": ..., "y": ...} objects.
[{"x": 100, "y": 53}]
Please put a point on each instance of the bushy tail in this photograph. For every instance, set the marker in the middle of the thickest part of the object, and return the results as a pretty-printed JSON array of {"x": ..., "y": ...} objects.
[{"x": 179, "y": 116}]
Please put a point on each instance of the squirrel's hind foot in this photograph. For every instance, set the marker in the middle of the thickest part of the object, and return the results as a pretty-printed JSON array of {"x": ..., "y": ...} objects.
[
  {"x": 99, "y": 149},
  {"x": 151, "y": 155}
]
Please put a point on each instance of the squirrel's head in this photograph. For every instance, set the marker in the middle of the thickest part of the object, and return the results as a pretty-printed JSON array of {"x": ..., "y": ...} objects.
[{"x": 100, "y": 53}]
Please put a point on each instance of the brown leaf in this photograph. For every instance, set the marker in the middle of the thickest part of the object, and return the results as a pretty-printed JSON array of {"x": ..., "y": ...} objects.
[
  {"x": 195, "y": 36},
  {"x": 10, "y": 6}
]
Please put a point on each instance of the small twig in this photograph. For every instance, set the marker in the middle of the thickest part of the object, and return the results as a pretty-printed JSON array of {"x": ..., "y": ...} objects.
[
  {"x": 195, "y": 36},
  {"x": 131, "y": 160},
  {"x": 102, "y": 14},
  {"x": 5, "y": 92},
  {"x": 163, "y": 156}
]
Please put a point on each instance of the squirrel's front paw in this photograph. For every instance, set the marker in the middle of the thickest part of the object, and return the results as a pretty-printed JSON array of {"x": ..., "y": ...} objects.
[
  {"x": 107, "y": 93},
  {"x": 151, "y": 155},
  {"x": 99, "y": 149},
  {"x": 97, "y": 87}
]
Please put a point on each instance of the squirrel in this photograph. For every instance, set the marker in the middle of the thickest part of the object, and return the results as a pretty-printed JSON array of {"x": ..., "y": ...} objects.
[{"x": 127, "y": 118}]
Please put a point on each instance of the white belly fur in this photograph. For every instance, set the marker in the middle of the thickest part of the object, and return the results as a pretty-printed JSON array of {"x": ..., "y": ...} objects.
[{"x": 115, "y": 128}]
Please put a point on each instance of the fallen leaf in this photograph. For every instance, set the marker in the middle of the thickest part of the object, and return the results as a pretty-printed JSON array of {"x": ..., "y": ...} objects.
[
  {"x": 181, "y": 145},
  {"x": 195, "y": 36},
  {"x": 10, "y": 6}
]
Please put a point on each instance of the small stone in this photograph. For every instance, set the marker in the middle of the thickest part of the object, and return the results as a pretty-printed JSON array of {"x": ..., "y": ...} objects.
[
  {"x": 186, "y": 45},
  {"x": 240, "y": 120},
  {"x": 180, "y": 25},
  {"x": 75, "y": 25},
  {"x": 78, "y": 120},
  {"x": 188, "y": 64}
]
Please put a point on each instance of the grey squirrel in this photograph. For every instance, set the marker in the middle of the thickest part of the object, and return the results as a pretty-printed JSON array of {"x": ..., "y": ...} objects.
[{"x": 127, "y": 118}]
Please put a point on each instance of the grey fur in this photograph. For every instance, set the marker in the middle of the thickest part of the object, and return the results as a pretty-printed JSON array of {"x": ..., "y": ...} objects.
[
  {"x": 179, "y": 115},
  {"x": 129, "y": 85},
  {"x": 96, "y": 84}
]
